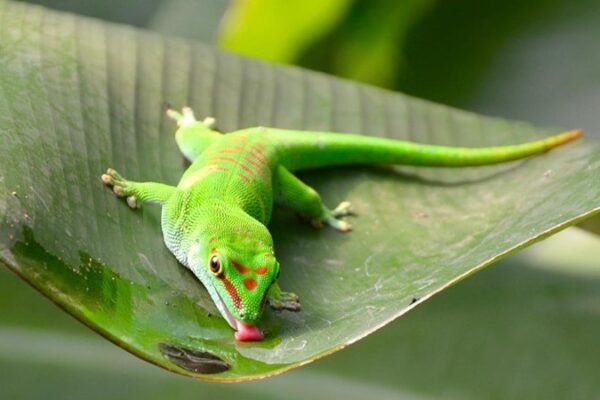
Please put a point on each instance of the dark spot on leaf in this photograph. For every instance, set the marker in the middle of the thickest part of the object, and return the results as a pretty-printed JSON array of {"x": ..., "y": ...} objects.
[
  {"x": 193, "y": 360},
  {"x": 414, "y": 300}
]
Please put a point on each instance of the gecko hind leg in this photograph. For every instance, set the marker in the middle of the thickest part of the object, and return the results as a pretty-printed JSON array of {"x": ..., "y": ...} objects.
[
  {"x": 193, "y": 136},
  {"x": 296, "y": 195},
  {"x": 136, "y": 193}
]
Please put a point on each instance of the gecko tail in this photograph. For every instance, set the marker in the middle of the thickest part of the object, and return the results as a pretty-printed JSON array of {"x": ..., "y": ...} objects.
[{"x": 321, "y": 149}]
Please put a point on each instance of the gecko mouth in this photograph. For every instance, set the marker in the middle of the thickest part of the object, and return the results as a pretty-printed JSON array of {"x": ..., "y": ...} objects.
[{"x": 243, "y": 332}]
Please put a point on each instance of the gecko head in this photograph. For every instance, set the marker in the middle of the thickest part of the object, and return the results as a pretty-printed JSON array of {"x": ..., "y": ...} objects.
[{"x": 234, "y": 259}]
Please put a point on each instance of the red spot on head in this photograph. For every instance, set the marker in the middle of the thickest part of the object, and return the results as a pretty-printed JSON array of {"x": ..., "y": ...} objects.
[
  {"x": 250, "y": 283},
  {"x": 261, "y": 270},
  {"x": 213, "y": 250},
  {"x": 241, "y": 268}
]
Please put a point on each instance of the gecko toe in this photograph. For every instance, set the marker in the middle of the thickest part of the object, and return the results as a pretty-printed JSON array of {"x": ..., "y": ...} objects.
[
  {"x": 132, "y": 202},
  {"x": 343, "y": 209},
  {"x": 338, "y": 224}
]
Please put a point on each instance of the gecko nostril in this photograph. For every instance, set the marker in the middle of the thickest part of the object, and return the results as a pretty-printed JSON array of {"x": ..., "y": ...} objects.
[{"x": 242, "y": 315}]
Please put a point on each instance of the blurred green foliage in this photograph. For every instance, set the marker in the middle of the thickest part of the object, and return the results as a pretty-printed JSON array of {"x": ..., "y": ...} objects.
[
  {"x": 275, "y": 30},
  {"x": 525, "y": 59}
]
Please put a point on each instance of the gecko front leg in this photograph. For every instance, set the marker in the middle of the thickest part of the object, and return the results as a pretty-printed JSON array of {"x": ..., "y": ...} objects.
[
  {"x": 137, "y": 192},
  {"x": 280, "y": 300}
]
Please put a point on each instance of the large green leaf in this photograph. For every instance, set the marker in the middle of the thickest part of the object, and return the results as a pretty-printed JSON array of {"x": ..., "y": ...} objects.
[
  {"x": 77, "y": 96},
  {"x": 544, "y": 317}
]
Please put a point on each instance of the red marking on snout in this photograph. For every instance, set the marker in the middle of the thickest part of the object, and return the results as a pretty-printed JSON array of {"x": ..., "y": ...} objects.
[
  {"x": 242, "y": 269},
  {"x": 250, "y": 283},
  {"x": 233, "y": 293}
]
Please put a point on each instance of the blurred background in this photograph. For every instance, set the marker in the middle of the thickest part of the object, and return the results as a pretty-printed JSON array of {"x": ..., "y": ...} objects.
[{"x": 526, "y": 327}]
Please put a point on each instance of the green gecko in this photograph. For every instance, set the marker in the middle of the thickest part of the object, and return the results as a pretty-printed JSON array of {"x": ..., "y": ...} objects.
[{"x": 214, "y": 220}]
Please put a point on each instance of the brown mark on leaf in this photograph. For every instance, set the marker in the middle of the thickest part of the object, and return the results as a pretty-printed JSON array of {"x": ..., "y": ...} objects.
[
  {"x": 193, "y": 360},
  {"x": 421, "y": 215}
]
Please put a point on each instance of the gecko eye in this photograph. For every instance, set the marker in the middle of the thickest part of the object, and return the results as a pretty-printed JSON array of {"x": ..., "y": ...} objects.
[{"x": 215, "y": 266}]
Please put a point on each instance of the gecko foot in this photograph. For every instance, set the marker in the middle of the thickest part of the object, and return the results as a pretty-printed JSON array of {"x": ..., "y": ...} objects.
[
  {"x": 119, "y": 186},
  {"x": 280, "y": 300},
  {"x": 186, "y": 117},
  {"x": 334, "y": 218},
  {"x": 288, "y": 301}
]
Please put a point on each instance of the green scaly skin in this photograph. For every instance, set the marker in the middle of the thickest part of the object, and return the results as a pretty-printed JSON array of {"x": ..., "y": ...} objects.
[{"x": 214, "y": 221}]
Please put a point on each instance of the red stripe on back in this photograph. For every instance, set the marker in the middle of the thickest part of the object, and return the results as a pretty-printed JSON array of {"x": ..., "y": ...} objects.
[
  {"x": 231, "y": 150},
  {"x": 257, "y": 163},
  {"x": 235, "y": 162},
  {"x": 258, "y": 154},
  {"x": 244, "y": 177}
]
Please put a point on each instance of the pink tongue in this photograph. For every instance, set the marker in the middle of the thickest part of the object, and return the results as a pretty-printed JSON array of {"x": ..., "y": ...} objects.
[{"x": 247, "y": 332}]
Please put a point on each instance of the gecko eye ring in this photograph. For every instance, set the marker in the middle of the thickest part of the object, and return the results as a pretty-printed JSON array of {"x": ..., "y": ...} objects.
[{"x": 215, "y": 266}]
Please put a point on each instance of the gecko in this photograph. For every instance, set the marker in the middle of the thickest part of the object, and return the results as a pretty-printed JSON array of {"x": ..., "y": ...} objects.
[{"x": 215, "y": 220}]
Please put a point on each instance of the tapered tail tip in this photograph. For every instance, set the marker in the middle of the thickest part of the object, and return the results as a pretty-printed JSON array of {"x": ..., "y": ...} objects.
[
  {"x": 572, "y": 134},
  {"x": 566, "y": 137}
]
